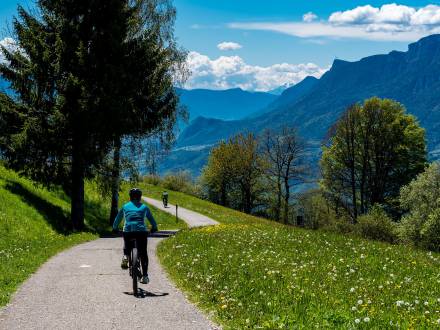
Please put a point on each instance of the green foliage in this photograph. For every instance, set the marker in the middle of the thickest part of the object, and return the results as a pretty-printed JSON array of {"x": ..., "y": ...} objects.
[
  {"x": 316, "y": 210},
  {"x": 374, "y": 150},
  {"x": 421, "y": 197},
  {"x": 377, "y": 225},
  {"x": 180, "y": 181},
  {"x": 75, "y": 71},
  {"x": 234, "y": 173}
]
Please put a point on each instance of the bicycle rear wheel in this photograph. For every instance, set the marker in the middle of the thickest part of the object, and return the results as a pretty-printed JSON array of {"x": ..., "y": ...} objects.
[{"x": 134, "y": 269}]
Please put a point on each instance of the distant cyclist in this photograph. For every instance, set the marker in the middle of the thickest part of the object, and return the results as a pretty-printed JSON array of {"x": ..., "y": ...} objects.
[
  {"x": 165, "y": 199},
  {"x": 135, "y": 213}
]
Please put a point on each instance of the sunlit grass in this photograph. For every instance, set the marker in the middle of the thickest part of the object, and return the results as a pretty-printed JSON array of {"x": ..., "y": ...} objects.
[{"x": 252, "y": 274}]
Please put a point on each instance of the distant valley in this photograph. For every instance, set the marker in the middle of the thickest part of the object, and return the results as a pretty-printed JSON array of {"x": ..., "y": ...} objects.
[{"x": 313, "y": 105}]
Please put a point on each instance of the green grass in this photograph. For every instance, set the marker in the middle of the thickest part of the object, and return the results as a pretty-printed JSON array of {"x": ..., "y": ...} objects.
[
  {"x": 253, "y": 275},
  {"x": 32, "y": 228}
]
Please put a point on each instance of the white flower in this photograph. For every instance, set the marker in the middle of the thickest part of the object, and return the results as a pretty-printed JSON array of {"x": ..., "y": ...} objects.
[
  {"x": 357, "y": 321},
  {"x": 366, "y": 319},
  {"x": 360, "y": 302},
  {"x": 399, "y": 303},
  {"x": 354, "y": 308},
  {"x": 416, "y": 302},
  {"x": 426, "y": 303},
  {"x": 352, "y": 290}
]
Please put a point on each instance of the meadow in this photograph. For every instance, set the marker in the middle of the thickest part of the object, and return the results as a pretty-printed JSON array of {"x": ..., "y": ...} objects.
[{"x": 252, "y": 274}]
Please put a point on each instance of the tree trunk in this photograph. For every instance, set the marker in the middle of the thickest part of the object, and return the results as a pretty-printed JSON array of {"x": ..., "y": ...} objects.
[
  {"x": 115, "y": 180},
  {"x": 77, "y": 177},
  {"x": 279, "y": 197},
  {"x": 286, "y": 201}
]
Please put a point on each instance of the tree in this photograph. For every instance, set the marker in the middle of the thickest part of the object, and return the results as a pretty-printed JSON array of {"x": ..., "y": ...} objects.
[
  {"x": 374, "y": 150},
  {"x": 153, "y": 61},
  {"x": 248, "y": 166},
  {"x": 283, "y": 153},
  {"x": 70, "y": 76},
  {"x": 233, "y": 173},
  {"x": 421, "y": 201},
  {"x": 219, "y": 173}
]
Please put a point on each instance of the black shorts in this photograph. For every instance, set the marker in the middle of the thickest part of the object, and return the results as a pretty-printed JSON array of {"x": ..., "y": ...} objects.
[{"x": 141, "y": 240}]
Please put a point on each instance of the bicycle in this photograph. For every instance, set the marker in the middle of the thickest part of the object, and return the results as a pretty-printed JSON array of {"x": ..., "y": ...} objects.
[{"x": 134, "y": 265}]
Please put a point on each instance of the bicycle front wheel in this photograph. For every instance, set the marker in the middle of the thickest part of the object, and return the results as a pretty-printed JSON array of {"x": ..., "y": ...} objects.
[{"x": 134, "y": 273}]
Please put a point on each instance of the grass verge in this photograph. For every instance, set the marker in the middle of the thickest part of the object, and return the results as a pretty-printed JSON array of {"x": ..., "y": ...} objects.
[
  {"x": 254, "y": 275},
  {"x": 32, "y": 228}
]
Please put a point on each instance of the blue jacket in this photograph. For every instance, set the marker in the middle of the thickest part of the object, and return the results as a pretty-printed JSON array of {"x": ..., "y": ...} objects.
[{"x": 135, "y": 214}]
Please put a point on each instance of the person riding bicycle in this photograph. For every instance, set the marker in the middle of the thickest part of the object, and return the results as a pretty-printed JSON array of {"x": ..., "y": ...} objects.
[
  {"x": 135, "y": 213},
  {"x": 165, "y": 198}
]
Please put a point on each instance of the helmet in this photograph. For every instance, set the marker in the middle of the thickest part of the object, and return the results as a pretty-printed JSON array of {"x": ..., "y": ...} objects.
[{"x": 135, "y": 193}]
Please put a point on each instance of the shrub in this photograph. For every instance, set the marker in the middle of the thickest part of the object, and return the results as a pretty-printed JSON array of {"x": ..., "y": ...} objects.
[
  {"x": 430, "y": 232},
  {"x": 317, "y": 213},
  {"x": 421, "y": 198},
  {"x": 181, "y": 181},
  {"x": 155, "y": 180},
  {"x": 377, "y": 225}
]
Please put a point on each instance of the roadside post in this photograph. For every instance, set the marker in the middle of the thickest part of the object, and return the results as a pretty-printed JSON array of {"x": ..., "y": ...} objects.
[{"x": 177, "y": 216}]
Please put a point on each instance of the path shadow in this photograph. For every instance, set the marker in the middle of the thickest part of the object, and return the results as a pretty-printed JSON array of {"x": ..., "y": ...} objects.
[
  {"x": 55, "y": 216},
  {"x": 163, "y": 234},
  {"x": 159, "y": 234},
  {"x": 144, "y": 294}
]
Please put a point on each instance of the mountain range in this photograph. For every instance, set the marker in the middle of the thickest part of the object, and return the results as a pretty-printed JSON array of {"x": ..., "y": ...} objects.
[
  {"x": 223, "y": 104},
  {"x": 411, "y": 77}
]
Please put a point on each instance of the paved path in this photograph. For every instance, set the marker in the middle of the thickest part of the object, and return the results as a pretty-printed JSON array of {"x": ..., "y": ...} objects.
[
  {"x": 193, "y": 219},
  {"x": 84, "y": 288}
]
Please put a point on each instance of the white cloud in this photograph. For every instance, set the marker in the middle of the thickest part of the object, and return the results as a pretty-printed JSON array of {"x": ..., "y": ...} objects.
[
  {"x": 228, "y": 45},
  {"x": 390, "y": 22},
  {"x": 10, "y": 44},
  {"x": 309, "y": 17},
  {"x": 232, "y": 71},
  {"x": 325, "y": 30}
]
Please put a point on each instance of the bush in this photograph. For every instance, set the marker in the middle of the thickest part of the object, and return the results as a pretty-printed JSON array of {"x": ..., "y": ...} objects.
[
  {"x": 431, "y": 232},
  {"x": 377, "y": 225},
  {"x": 181, "y": 181},
  {"x": 155, "y": 180},
  {"x": 317, "y": 213},
  {"x": 421, "y": 198}
]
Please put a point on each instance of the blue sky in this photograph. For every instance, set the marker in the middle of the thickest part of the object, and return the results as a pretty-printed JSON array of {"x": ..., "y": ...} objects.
[{"x": 270, "y": 42}]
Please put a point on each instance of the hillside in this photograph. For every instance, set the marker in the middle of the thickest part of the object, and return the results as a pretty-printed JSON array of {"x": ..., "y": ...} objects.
[
  {"x": 409, "y": 77},
  {"x": 223, "y": 104},
  {"x": 32, "y": 227},
  {"x": 281, "y": 277}
]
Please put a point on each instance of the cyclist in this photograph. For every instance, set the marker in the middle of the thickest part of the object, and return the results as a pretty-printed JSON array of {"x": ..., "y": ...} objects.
[
  {"x": 165, "y": 199},
  {"x": 135, "y": 213}
]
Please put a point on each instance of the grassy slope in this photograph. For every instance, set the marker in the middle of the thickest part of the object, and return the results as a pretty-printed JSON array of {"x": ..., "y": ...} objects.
[
  {"x": 31, "y": 228},
  {"x": 253, "y": 274}
]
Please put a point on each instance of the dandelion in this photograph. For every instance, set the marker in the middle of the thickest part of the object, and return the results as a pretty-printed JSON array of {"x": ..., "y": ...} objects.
[
  {"x": 426, "y": 303},
  {"x": 352, "y": 290},
  {"x": 354, "y": 308},
  {"x": 399, "y": 303},
  {"x": 360, "y": 302},
  {"x": 224, "y": 306},
  {"x": 366, "y": 319},
  {"x": 357, "y": 321}
]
